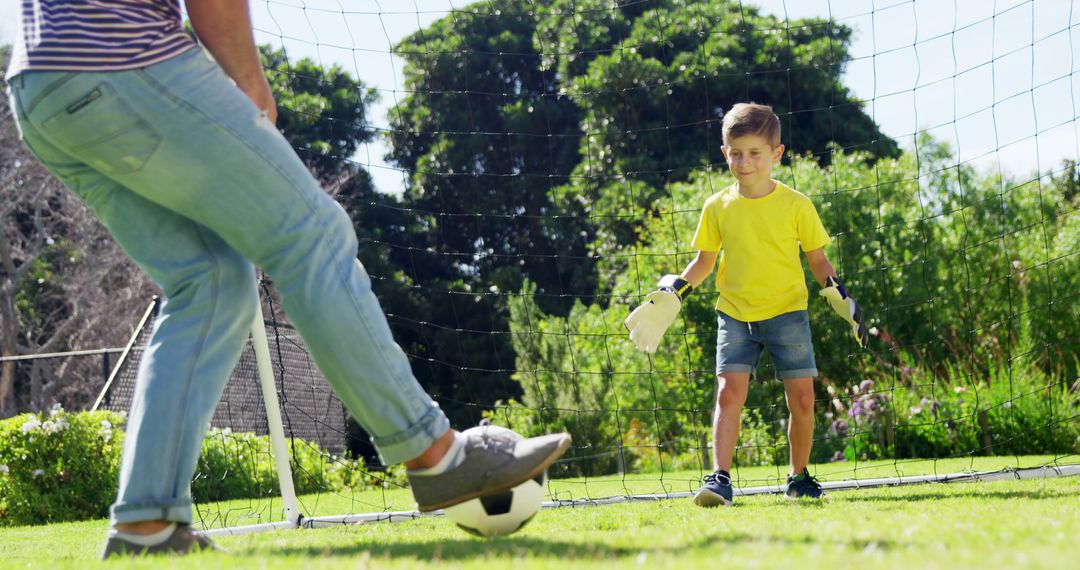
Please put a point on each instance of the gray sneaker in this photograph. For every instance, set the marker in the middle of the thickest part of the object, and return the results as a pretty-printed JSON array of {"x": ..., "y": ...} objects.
[
  {"x": 496, "y": 460},
  {"x": 182, "y": 541}
]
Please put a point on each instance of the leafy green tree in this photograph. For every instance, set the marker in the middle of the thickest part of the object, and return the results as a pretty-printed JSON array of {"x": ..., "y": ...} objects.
[
  {"x": 655, "y": 100},
  {"x": 533, "y": 130},
  {"x": 484, "y": 135},
  {"x": 323, "y": 112}
]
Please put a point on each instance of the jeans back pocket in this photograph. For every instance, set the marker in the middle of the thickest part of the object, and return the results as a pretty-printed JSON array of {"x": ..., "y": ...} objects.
[{"x": 101, "y": 129}]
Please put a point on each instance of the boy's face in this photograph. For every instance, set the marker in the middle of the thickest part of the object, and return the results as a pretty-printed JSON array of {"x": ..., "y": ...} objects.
[{"x": 751, "y": 158}]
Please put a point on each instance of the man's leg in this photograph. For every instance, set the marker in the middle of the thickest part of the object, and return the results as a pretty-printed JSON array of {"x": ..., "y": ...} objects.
[
  {"x": 193, "y": 144},
  {"x": 181, "y": 136},
  {"x": 197, "y": 337},
  {"x": 800, "y": 402}
]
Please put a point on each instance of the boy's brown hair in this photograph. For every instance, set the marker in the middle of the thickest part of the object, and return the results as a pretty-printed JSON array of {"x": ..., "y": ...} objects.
[{"x": 745, "y": 119}]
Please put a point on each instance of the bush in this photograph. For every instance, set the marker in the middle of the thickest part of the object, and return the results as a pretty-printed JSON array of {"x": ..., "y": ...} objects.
[
  {"x": 241, "y": 466},
  {"x": 1005, "y": 411},
  {"x": 58, "y": 466}
]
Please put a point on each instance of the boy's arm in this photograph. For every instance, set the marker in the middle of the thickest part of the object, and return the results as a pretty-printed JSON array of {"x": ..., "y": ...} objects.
[
  {"x": 836, "y": 295},
  {"x": 697, "y": 270},
  {"x": 820, "y": 265},
  {"x": 651, "y": 319}
]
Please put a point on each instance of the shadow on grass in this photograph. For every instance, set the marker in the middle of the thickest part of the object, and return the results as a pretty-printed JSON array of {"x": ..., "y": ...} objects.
[{"x": 469, "y": 549}]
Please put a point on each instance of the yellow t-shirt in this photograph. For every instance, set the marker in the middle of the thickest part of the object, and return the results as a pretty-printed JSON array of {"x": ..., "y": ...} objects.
[{"x": 760, "y": 274}]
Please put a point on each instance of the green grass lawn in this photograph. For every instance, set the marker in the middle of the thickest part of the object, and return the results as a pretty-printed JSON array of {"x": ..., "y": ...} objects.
[{"x": 1029, "y": 524}]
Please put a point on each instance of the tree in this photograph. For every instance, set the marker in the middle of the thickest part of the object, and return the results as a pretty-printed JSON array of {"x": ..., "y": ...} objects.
[
  {"x": 323, "y": 112},
  {"x": 503, "y": 94},
  {"x": 653, "y": 103},
  {"x": 485, "y": 136}
]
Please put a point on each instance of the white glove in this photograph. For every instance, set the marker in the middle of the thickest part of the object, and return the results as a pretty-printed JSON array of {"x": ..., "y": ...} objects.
[
  {"x": 846, "y": 307},
  {"x": 648, "y": 322}
]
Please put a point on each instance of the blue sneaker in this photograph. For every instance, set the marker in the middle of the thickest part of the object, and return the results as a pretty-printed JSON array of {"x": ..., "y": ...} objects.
[
  {"x": 803, "y": 485},
  {"x": 715, "y": 492}
]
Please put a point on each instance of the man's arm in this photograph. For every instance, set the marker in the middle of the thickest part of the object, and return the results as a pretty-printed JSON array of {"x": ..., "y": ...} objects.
[
  {"x": 224, "y": 27},
  {"x": 820, "y": 266}
]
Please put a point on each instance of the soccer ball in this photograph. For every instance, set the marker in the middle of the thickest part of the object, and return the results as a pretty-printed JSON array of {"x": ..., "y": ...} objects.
[{"x": 502, "y": 513}]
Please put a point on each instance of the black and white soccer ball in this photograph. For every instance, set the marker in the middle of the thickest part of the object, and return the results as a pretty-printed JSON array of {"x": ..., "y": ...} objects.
[{"x": 502, "y": 513}]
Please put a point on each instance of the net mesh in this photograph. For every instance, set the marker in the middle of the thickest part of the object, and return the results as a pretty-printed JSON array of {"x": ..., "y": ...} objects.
[{"x": 529, "y": 170}]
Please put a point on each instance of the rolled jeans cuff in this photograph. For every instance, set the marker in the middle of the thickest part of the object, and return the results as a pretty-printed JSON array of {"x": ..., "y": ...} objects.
[
  {"x": 414, "y": 440},
  {"x": 178, "y": 511}
]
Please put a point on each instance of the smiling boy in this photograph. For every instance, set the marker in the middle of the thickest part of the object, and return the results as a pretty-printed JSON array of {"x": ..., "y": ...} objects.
[{"x": 756, "y": 228}]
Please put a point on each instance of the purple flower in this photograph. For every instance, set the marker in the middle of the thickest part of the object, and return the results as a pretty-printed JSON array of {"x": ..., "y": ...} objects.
[
  {"x": 857, "y": 410},
  {"x": 839, "y": 428},
  {"x": 866, "y": 385},
  {"x": 838, "y": 456}
]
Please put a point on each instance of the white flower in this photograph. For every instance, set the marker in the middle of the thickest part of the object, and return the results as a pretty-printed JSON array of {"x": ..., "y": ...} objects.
[
  {"x": 1008, "y": 404},
  {"x": 105, "y": 424},
  {"x": 38, "y": 472},
  {"x": 3, "y": 469},
  {"x": 56, "y": 410},
  {"x": 31, "y": 425},
  {"x": 49, "y": 427}
]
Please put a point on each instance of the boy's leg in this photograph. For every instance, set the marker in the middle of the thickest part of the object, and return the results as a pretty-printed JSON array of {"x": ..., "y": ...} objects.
[
  {"x": 731, "y": 391},
  {"x": 800, "y": 402},
  {"x": 788, "y": 339}
]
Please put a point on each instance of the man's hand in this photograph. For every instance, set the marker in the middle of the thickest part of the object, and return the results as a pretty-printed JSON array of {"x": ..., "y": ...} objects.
[
  {"x": 258, "y": 90},
  {"x": 846, "y": 307},
  {"x": 225, "y": 29},
  {"x": 648, "y": 322}
]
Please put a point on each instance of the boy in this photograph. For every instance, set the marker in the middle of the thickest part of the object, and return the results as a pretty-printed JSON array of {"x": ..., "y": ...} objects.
[{"x": 760, "y": 224}]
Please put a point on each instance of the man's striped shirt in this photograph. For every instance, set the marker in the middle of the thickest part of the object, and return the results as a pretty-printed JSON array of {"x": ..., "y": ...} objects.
[{"x": 97, "y": 35}]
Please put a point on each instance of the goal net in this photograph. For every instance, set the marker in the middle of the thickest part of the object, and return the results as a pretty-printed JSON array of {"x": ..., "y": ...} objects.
[{"x": 521, "y": 174}]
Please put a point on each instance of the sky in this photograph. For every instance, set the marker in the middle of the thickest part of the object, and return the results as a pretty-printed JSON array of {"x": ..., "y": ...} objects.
[{"x": 998, "y": 80}]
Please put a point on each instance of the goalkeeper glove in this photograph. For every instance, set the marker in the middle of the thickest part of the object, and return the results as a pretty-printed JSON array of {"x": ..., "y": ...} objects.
[
  {"x": 843, "y": 304},
  {"x": 649, "y": 321}
]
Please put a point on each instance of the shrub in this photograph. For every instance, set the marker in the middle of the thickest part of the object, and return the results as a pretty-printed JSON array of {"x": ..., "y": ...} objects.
[
  {"x": 58, "y": 466},
  {"x": 241, "y": 466},
  {"x": 1018, "y": 410}
]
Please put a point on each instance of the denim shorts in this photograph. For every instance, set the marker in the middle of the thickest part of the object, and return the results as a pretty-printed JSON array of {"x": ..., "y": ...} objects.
[{"x": 739, "y": 344}]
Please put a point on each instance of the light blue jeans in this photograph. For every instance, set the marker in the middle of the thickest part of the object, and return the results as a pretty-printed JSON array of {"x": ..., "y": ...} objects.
[{"x": 198, "y": 187}]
